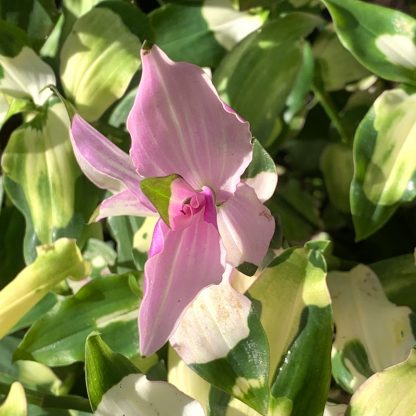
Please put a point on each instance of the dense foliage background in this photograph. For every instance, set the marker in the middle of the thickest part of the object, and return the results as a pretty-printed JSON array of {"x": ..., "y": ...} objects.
[{"x": 328, "y": 88}]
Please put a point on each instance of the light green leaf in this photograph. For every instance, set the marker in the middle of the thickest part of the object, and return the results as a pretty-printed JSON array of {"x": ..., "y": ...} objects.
[
  {"x": 382, "y": 39},
  {"x": 362, "y": 346},
  {"x": 385, "y": 167},
  {"x": 15, "y": 404},
  {"x": 337, "y": 167},
  {"x": 237, "y": 358},
  {"x": 299, "y": 330},
  {"x": 103, "y": 368},
  {"x": 398, "y": 277},
  {"x": 44, "y": 181},
  {"x": 107, "y": 305},
  {"x": 335, "y": 65},
  {"x": 276, "y": 52},
  {"x": 26, "y": 76},
  {"x": 98, "y": 61},
  {"x": 391, "y": 392},
  {"x": 201, "y": 34},
  {"x": 54, "y": 263},
  {"x": 261, "y": 174},
  {"x": 158, "y": 191}
]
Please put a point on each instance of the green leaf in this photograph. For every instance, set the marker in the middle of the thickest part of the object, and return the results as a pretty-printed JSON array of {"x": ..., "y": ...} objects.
[
  {"x": 361, "y": 345},
  {"x": 55, "y": 262},
  {"x": 299, "y": 330},
  {"x": 382, "y": 39},
  {"x": 385, "y": 169},
  {"x": 15, "y": 403},
  {"x": 101, "y": 256},
  {"x": 335, "y": 66},
  {"x": 276, "y": 52},
  {"x": 391, "y": 392},
  {"x": 237, "y": 359},
  {"x": 12, "y": 39},
  {"x": 12, "y": 226},
  {"x": 201, "y": 34},
  {"x": 43, "y": 180},
  {"x": 337, "y": 167},
  {"x": 123, "y": 229},
  {"x": 398, "y": 277},
  {"x": 35, "y": 17},
  {"x": 106, "y": 305},
  {"x": 99, "y": 40},
  {"x": 158, "y": 191},
  {"x": 103, "y": 368}
]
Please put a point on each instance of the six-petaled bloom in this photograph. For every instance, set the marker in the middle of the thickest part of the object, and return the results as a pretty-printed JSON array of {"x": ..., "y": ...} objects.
[{"x": 188, "y": 153}]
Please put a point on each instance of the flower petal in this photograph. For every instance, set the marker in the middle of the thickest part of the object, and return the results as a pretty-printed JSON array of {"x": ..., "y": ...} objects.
[
  {"x": 122, "y": 203},
  {"x": 186, "y": 262},
  {"x": 136, "y": 395},
  {"x": 103, "y": 162},
  {"x": 179, "y": 125},
  {"x": 246, "y": 227}
]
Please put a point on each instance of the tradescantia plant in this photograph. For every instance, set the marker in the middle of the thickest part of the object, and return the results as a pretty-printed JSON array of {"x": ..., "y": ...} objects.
[{"x": 149, "y": 262}]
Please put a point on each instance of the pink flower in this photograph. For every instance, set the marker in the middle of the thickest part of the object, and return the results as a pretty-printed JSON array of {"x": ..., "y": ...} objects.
[{"x": 188, "y": 141}]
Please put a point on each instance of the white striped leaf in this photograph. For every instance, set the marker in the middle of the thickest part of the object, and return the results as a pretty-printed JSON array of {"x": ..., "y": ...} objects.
[
  {"x": 221, "y": 338},
  {"x": 382, "y": 39},
  {"x": 385, "y": 166},
  {"x": 296, "y": 315},
  {"x": 362, "y": 346}
]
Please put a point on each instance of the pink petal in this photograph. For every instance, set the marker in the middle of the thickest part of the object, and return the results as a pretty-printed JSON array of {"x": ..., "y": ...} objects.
[
  {"x": 186, "y": 262},
  {"x": 179, "y": 125},
  {"x": 246, "y": 227},
  {"x": 102, "y": 162},
  {"x": 122, "y": 203}
]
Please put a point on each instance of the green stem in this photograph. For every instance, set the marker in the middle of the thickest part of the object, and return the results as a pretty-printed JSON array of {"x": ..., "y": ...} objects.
[
  {"x": 50, "y": 401},
  {"x": 331, "y": 111}
]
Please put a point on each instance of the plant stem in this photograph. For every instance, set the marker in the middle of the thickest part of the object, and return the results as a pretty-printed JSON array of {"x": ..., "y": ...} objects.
[
  {"x": 50, "y": 401},
  {"x": 331, "y": 111}
]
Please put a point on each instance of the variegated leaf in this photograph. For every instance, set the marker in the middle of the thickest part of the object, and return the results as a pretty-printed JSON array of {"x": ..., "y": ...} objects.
[
  {"x": 221, "y": 338},
  {"x": 44, "y": 181},
  {"x": 296, "y": 315},
  {"x": 98, "y": 61},
  {"x": 362, "y": 346},
  {"x": 55, "y": 262},
  {"x": 391, "y": 392},
  {"x": 108, "y": 305},
  {"x": 385, "y": 166},
  {"x": 382, "y": 39}
]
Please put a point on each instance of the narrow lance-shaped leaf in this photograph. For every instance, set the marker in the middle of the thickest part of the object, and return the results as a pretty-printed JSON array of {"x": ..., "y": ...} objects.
[
  {"x": 103, "y": 368},
  {"x": 301, "y": 336},
  {"x": 54, "y": 263},
  {"x": 362, "y": 346},
  {"x": 107, "y": 305},
  {"x": 382, "y": 39},
  {"x": 221, "y": 338},
  {"x": 391, "y": 392},
  {"x": 385, "y": 166}
]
